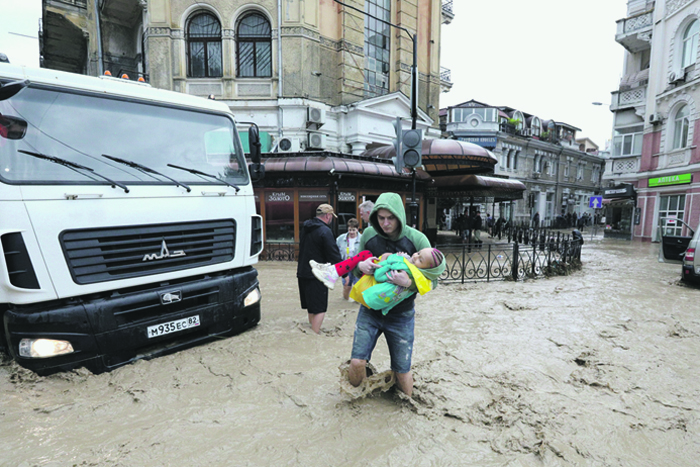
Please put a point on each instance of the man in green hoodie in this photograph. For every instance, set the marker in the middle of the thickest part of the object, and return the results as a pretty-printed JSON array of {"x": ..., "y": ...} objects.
[{"x": 388, "y": 233}]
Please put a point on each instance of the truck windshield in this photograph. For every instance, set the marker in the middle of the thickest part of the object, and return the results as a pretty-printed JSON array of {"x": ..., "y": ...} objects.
[{"x": 81, "y": 128}]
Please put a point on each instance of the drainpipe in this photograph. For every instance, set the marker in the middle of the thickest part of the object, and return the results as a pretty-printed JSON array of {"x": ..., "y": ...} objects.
[
  {"x": 100, "y": 70},
  {"x": 279, "y": 69}
]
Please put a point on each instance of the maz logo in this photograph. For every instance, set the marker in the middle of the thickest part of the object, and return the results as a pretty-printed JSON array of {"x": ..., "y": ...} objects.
[
  {"x": 164, "y": 253},
  {"x": 171, "y": 297}
]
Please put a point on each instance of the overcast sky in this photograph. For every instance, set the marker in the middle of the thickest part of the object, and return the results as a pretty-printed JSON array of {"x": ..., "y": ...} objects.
[
  {"x": 550, "y": 58},
  {"x": 19, "y": 31}
]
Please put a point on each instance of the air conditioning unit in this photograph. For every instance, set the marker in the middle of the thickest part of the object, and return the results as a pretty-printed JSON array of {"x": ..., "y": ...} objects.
[
  {"x": 676, "y": 77},
  {"x": 316, "y": 116},
  {"x": 288, "y": 144},
  {"x": 316, "y": 140},
  {"x": 655, "y": 119}
]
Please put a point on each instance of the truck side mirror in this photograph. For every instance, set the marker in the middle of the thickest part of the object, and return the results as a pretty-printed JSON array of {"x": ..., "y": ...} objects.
[
  {"x": 254, "y": 143},
  {"x": 256, "y": 169}
]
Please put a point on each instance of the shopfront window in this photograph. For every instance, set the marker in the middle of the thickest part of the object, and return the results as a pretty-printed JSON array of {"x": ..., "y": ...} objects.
[
  {"x": 308, "y": 202},
  {"x": 279, "y": 216},
  {"x": 347, "y": 209},
  {"x": 671, "y": 209}
]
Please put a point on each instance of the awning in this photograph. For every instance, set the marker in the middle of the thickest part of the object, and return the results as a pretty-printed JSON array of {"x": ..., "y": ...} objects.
[
  {"x": 445, "y": 156},
  {"x": 479, "y": 186},
  {"x": 618, "y": 202},
  {"x": 340, "y": 165}
]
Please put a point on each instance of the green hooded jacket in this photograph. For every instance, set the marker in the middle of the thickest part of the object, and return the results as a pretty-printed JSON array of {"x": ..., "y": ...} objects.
[{"x": 406, "y": 239}]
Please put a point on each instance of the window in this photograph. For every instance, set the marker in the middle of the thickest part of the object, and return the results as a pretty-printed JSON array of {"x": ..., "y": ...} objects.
[
  {"x": 204, "y": 46},
  {"x": 672, "y": 207},
  {"x": 690, "y": 44},
  {"x": 680, "y": 128},
  {"x": 628, "y": 141},
  {"x": 279, "y": 216},
  {"x": 517, "y": 115},
  {"x": 377, "y": 41},
  {"x": 463, "y": 114},
  {"x": 535, "y": 126},
  {"x": 254, "y": 47},
  {"x": 579, "y": 171},
  {"x": 515, "y": 160}
]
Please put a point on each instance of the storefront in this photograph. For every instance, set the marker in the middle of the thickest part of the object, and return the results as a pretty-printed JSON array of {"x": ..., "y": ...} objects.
[
  {"x": 621, "y": 212},
  {"x": 295, "y": 185}
]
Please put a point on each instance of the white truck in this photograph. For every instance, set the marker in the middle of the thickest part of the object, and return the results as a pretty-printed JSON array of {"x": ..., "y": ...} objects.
[{"x": 127, "y": 221}]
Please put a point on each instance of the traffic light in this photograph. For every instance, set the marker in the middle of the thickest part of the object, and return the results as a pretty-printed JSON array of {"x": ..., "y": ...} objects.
[
  {"x": 398, "y": 158},
  {"x": 412, "y": 148}
]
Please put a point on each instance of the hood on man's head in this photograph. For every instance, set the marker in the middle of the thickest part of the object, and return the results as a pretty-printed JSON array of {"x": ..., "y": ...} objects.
[{"x": 393, "y": 203}]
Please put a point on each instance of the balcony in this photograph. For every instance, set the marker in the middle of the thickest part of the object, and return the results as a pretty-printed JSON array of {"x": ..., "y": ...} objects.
[
  {"x": 622, "y": 165},
  {"x": 634, "y": 33},
  {"x": 445, "y": 79},
  {"x": 629, "y": 98},
  {"x": 447, "y": 12}
]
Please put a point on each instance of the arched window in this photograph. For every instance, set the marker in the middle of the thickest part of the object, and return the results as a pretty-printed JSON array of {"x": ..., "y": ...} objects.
[
  {"x": 680, "y": 128},
  {"x": 254, "y": 46},
  {"x": 690, "y": 43},
  {"x": 204, "y": 46},
  {"x": 535, "y": 127}
]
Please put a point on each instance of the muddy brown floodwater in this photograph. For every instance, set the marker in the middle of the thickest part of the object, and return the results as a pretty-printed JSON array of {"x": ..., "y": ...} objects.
[{"x": 599, "y": 368}]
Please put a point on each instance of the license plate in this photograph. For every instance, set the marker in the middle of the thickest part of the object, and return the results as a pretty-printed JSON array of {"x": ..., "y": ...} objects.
[{"x": 172, "y": 326}]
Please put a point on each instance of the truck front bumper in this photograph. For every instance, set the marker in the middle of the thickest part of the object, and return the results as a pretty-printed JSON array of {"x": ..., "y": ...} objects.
[{"x": 109, "y": 331}]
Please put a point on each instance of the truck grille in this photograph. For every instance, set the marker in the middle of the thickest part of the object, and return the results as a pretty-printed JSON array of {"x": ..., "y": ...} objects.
[{"x": 101, "y": 255}]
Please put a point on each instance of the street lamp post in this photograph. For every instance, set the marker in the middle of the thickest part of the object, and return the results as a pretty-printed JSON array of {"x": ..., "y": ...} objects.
[{"x": 414, "y": 97}]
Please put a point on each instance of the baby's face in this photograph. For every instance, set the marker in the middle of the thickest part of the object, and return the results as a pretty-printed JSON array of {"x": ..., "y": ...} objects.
[{"x": 423, "y": 259}]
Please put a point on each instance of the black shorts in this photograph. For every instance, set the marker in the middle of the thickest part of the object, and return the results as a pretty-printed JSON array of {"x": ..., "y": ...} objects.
[{"x": 313, "y": 295}]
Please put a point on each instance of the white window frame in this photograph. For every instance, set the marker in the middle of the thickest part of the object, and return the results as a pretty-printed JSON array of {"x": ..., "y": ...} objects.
[
  {"x": 690, "y": 44},
  {"x": 681, "y": 128}
]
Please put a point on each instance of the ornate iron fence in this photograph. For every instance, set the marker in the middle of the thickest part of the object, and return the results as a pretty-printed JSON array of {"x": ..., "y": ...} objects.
[
  {"x": 541, "y": 255},
  {"x": 279, "y": 252},
  {"x": 531, "y": 254}
]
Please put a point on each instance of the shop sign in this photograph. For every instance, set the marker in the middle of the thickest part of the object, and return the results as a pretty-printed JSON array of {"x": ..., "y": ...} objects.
[
  {"x": 318, "y": 196},
  {"x": 279, "y": 196},
  {"x": 671, "y": 180},
  {"x": 486, "y": 141},
  {"x": 620, "y": 191},
  {"x": 346, "y": 196}
]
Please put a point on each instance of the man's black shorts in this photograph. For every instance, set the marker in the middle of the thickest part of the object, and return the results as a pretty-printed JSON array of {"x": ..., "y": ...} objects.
[{"x": 313, "y": 295}]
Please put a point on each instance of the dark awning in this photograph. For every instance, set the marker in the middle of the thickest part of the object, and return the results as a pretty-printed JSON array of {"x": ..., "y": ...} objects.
[
  {"x": 341, "y": 165},
  {"x": 478, "y": 186},
  {"x": 445, "y": 155}
]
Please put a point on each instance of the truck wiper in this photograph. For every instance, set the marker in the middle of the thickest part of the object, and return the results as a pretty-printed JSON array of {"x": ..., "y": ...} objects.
[
  {"x": 73, "y": 166},
  {"x": 197, "y": 172},
  {"x": 146, "y": 170}
]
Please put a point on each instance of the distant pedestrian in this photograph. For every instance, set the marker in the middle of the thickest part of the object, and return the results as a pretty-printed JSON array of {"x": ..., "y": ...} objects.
[
  {"x": 316, "y": 243},
  {"x": 349, "y": 246},
  {"x": 365, "y": 210}
]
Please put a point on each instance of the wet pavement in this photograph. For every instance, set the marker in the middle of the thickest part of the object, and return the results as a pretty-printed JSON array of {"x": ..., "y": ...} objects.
[{"x": 598, "y": 368}]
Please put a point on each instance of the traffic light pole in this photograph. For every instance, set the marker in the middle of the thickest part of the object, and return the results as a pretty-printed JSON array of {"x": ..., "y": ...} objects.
[{"x": 414, "y": 99}]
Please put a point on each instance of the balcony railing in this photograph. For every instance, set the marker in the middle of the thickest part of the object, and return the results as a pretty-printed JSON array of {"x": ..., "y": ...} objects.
[
  {"x": 445, "y": 79},
  {"x": 447, "y": 12},
  {"x": 634, "y": 33},
  {"x": 622, "y": 165},
  {"x": 629, "y": 98}
]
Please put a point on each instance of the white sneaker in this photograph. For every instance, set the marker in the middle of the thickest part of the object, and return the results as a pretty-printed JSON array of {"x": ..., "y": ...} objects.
[{"x": 326, "y": 273}]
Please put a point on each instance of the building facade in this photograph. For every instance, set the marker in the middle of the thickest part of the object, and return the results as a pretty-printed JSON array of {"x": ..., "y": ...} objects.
[
  {"x": 560, "y": 172},
  {"x": 656, "y": 118},
  {"x": 322, "y": 79}
]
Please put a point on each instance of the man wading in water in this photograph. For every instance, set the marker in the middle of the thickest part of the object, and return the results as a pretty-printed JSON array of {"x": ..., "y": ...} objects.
[{"x": 388, "y": 233}]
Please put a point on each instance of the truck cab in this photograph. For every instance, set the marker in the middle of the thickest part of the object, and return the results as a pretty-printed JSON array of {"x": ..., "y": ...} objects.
[{"x": 127, "y": 221}]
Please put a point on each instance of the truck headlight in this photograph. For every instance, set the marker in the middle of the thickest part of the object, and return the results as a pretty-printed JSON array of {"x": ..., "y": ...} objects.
[
  {"x": 42, "y": 348},
  {"x": 252, "y": 298}
]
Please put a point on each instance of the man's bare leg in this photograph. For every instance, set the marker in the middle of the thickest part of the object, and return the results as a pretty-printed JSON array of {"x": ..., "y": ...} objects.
[
  {"x": 357, "y": 371},
  {"x": 404, "y": 381},
  {"x": 316, "y": 320},
  {"x": 346, "y": 291}
]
